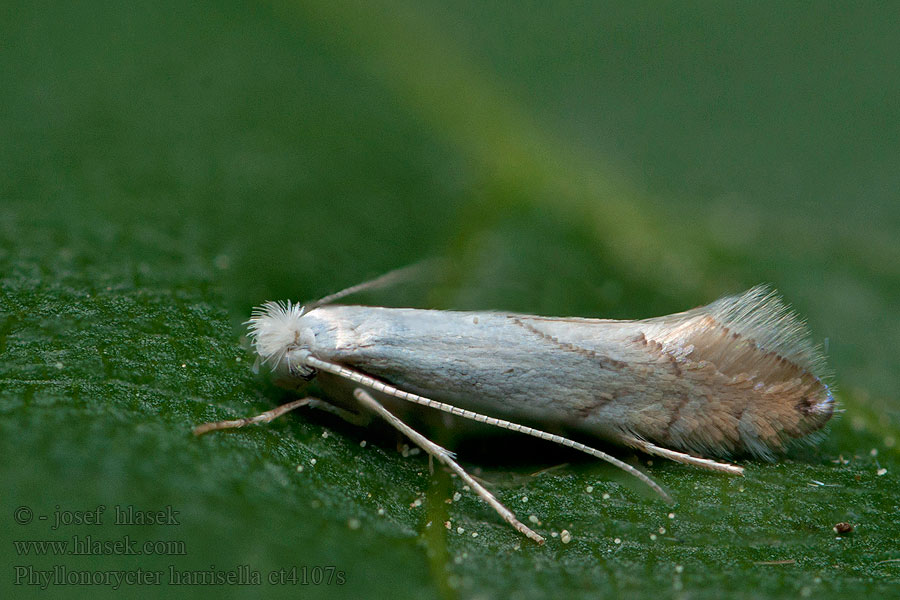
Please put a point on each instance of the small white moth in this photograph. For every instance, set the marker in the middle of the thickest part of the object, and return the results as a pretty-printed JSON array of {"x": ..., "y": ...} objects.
[{"x": 737, "y": 376}]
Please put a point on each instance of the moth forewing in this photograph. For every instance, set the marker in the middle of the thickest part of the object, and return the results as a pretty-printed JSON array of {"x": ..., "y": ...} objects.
[{"x": 716, "y": 381}]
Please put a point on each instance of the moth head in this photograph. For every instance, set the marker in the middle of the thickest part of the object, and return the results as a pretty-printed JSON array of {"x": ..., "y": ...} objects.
[{"x": 277, "y": 332}]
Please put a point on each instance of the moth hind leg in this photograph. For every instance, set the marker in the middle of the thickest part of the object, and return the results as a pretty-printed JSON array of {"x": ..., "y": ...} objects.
[{"x": 688, "y": 459}]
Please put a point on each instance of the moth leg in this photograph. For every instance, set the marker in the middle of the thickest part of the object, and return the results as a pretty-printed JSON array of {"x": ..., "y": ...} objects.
[
  {"x": 704, "y": 463},
  {"x": 260, "y": 418},
  {"x": 354, "y": 418},
  {"x": 446, "y": 457},
  {"x": 380, "y": 386}
]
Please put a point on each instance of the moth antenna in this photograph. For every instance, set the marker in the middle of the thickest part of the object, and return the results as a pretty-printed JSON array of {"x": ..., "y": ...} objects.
[{"x": 389, "y": 279}]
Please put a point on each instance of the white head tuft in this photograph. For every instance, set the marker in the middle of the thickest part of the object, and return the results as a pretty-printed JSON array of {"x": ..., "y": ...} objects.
[{"x": 275, "y": 330}]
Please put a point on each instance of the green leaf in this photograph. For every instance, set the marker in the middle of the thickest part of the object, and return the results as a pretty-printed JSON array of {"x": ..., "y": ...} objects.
[{"x": 166, "y": 168}]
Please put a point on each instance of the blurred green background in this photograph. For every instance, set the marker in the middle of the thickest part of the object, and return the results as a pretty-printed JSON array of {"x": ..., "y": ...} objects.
[{"x": 165, "y": 167}]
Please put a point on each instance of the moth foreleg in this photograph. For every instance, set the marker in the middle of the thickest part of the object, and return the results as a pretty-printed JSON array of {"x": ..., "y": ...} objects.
[
  {"x": 446, "y": 457},
  {"x": 265, "y": 417}
]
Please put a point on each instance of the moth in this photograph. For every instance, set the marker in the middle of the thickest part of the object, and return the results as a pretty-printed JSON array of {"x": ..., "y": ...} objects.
[{"x": 735, "y": 377}]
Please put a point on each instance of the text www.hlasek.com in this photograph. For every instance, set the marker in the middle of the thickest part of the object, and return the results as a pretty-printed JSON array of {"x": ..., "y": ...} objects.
[{"x": 87, "y": 545}]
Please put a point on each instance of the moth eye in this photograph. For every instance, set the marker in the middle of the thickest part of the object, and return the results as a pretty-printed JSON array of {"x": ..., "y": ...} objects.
[
  {"x": 300, "y": 371},
  {"x": 293, "y": 369}
]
